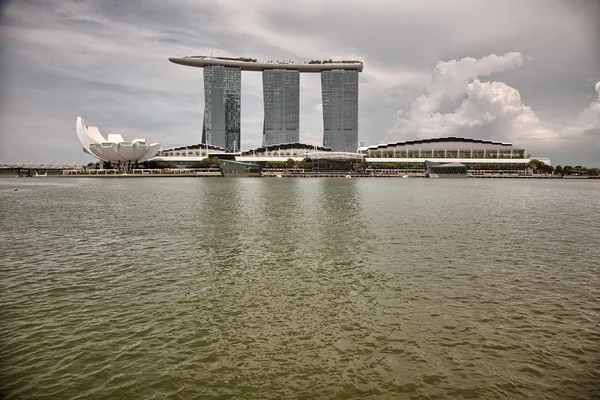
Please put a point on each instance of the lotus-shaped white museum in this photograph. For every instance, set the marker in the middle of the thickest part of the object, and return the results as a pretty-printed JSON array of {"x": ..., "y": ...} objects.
[{"x": 114, "y": 149}]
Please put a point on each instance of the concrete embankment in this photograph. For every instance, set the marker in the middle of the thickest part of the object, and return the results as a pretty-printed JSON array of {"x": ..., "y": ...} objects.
[
  {"x": 153, "y": 173},
  {"x": 101, "y": 176},
  {"x": 272, "y": 173},
  {"x": 335, "y": 174}
]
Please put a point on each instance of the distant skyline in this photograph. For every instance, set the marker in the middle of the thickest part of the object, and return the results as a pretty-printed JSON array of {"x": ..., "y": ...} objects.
[{"x": 527, "y": 72}]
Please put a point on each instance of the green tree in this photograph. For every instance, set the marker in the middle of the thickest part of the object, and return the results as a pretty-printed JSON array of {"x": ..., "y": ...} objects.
[
  {"x": 211, "y": 162},
  {"x": 276, "y": 164},
  {"x": 536, "y": 165},
  {"x": 163, "y": 165},
  {"x": 304, "y": 164},
  {"x": 558, "y": 169},
  {"x": 360, "y": 166}
]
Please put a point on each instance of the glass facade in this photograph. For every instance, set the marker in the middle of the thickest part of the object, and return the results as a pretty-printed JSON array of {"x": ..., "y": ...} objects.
[
  {"x": 236, "y": 168},
  {"x": 222, "y": 107},
  {"x": 437, "y": 169},
  {"x": 281, "y": 90},
  {"x": 340, "y": 109}
]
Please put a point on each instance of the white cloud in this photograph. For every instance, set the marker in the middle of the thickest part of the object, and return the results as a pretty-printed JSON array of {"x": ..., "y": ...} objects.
[
  {"x": 590, "y": 117},
  {"x": 451, "y": 77},
  {"x": 493, "y": 110},
  {"x": 488, "y": 109}
]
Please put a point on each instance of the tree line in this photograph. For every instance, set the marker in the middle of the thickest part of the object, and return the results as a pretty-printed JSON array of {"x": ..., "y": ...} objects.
[
  {"x": 577, "y": 170},
  {"x": 536, "y": 166},
  {"x": 211, "y": 162},
  {"x": 540, "y": 167}
]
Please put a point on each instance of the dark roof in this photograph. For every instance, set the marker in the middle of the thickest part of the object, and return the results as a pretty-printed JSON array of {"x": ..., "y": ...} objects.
[
  {"x": 437, "y": 140},
  {"x": 287, "y": 146},
  {"x": 195, "y": 147}
]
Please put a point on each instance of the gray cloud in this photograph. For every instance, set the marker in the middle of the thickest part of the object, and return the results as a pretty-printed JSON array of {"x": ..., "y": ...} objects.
[{"x": 107, "y": 61}]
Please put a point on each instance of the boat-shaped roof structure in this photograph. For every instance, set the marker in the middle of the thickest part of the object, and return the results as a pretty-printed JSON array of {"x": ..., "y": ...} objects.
[{"x": 251, "y": 64}]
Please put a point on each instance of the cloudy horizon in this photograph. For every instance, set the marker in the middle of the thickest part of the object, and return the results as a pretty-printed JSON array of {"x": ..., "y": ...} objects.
[{"x": 507, "y": 70}]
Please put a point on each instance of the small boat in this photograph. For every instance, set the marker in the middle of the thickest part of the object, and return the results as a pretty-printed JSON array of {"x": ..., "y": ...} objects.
[
  {"x": 404, "y": 176},
  {"x": 277, "y": 176},
  {"x": 38, "y": 175},
  {"x": 348, "y": 176}
]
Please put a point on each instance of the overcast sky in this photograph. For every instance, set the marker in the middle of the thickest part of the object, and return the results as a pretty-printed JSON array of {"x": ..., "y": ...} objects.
[{"x": 525, "y": 71}]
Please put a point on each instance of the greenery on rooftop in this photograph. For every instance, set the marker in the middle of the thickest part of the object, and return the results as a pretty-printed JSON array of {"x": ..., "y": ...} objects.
[
  {"x": 246, "y": 59},
  {"x": 330, "y": 61}
]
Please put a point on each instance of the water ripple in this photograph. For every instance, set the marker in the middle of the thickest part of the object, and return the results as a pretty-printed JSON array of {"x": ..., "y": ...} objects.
[{"x": 299, "y": 288}]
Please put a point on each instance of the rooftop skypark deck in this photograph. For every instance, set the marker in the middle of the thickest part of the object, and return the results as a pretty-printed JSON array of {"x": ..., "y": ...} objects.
[{"x": 251, "y": 64}]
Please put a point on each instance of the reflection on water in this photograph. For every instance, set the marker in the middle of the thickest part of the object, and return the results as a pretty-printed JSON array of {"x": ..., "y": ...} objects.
[{"x": 304, "y": 288}]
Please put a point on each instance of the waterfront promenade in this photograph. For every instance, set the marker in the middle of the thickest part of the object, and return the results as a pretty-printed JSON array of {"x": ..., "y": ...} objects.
[
  {"x": 143, "y": 173},
  {"x": 297, "y": 173},
  {"x": 67, "y": 172}
]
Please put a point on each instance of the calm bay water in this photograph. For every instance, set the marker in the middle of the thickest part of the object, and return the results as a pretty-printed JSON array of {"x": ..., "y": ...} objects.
[{"x": 299, "y": 288}]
